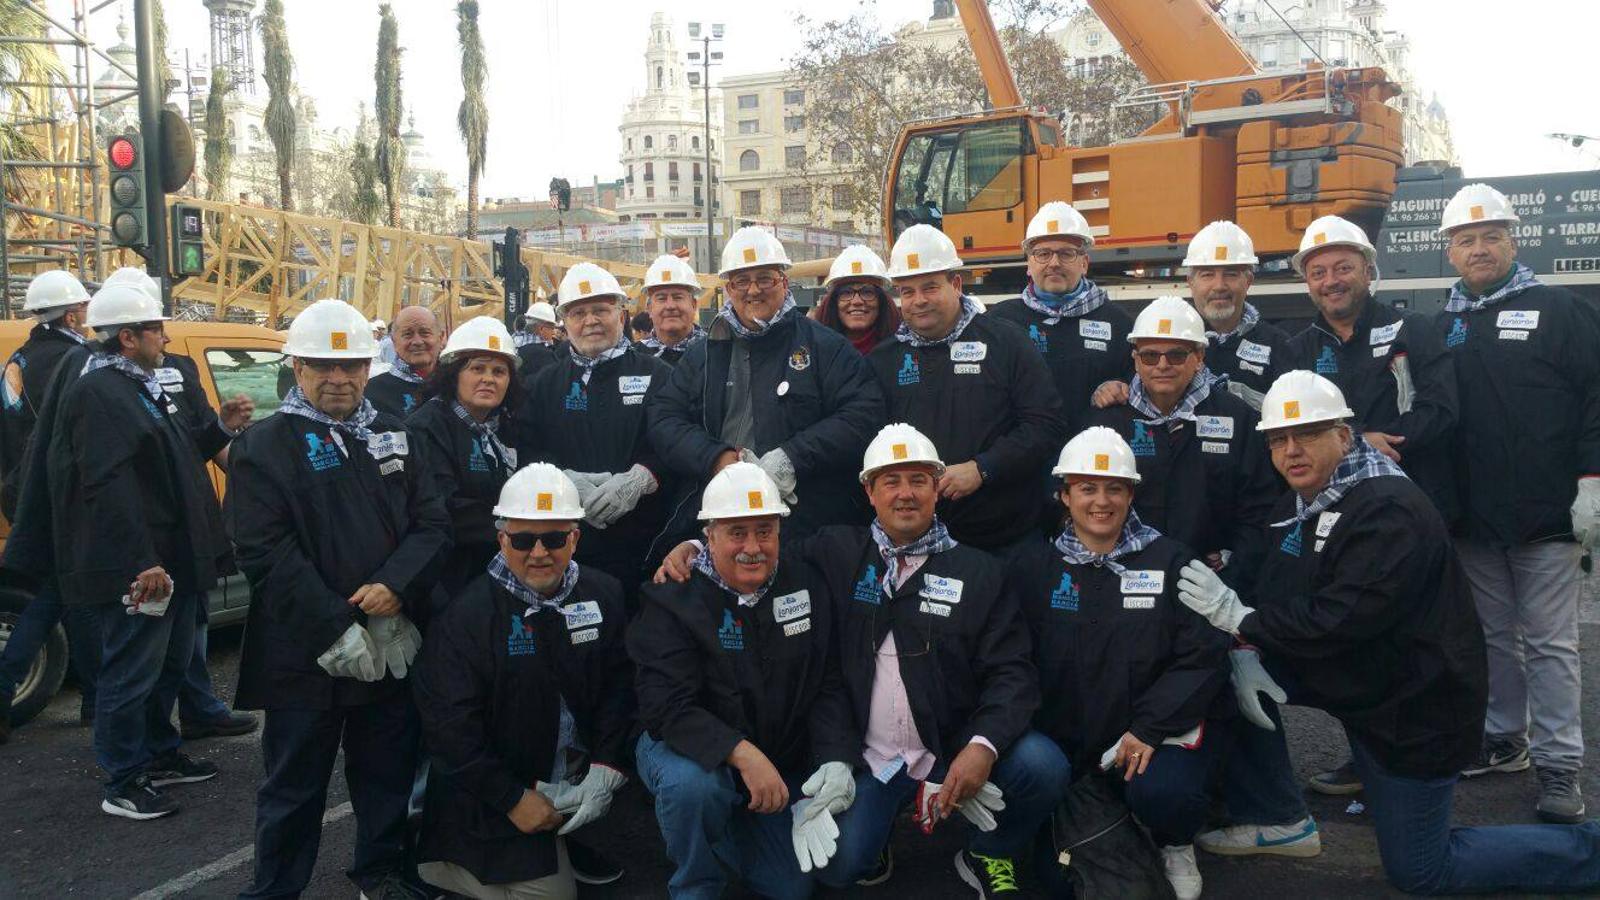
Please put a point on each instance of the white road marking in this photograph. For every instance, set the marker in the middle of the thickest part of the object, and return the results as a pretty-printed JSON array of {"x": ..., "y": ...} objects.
[{"x": 225, "y": 864}]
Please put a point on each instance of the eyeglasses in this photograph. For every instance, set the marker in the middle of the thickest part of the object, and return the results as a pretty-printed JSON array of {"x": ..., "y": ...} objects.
[
  {"x": 590, "y": 311},
  {"x": 1305, "y": 434},
  {"x": 861, "y": 292},
  {"x": 762, "y": 283},
  {"x": 523, "y": 541},
  {"x": 1175, "y": 357},
  {"x": 347, "y": 366},
  {"x": 1045, "y": 254}
]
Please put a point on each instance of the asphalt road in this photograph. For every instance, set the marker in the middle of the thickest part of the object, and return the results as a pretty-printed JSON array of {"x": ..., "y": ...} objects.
[{"x": 56, "y": 842}]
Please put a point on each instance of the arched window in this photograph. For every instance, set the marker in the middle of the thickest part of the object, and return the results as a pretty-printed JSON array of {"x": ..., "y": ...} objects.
[
  {"x": 659, "y": 83},
  {"x": 749, "y": 161},
  {"x": 648, "y": 142},
  {"x": 630, "y": 145},
  {"x": 842, "y": 153},
  {"x": 694, "y": 142},
  {"x": 672, "y": 142}
]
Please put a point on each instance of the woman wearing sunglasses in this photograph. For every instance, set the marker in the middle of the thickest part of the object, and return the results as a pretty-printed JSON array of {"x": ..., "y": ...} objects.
[
  {"x": 856, "y": 301},
  {"x": 465, "y": 455}
]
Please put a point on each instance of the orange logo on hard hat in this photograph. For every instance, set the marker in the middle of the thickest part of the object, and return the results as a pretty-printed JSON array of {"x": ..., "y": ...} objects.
[
  {"x": 339, "y": 340},
  {"x": 749, "y": 254},
  {"x": 1052, "y": 226},
  {"x": 754, "y": 498},
  {"x": 898, "y": 451},
  {"x": 1102, "y": 462},
  {"x": 913, "y": 260},
  {"x": 494, "y": 342},
  {"x": 544, "y": 502},
  {"x": 855, "y": 267},
  {"x": 1291, "y": 409},
  {"x": 1222, "y": 253},
  {"x": 1164, "y": 326},
  {"x": 1477, "y": 213},
  {"x": 664, "y": 276},
  {"x": 1321, "y": 238},
  {"x": 583, "y": 287}
]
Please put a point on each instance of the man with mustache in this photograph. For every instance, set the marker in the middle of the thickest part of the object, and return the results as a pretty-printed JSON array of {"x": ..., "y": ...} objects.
[{"x": 1221, "y": 263}]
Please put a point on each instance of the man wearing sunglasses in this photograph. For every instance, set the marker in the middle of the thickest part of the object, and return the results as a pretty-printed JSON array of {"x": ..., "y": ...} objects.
[
  {"x": 1206, "y": 481},
  {"x": 526, "y": 699},
  {"x": 340, "y": 535}
]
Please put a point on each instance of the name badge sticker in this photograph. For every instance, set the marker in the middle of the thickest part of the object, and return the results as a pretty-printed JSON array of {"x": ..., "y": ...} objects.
[
  {"x": 1509, "y": 335},
  {"x": 392, "y": 466},
  {"x": 582, "y": 615},
  {"x": 1144, "y": 581},
  {"x": 1145, "y": 602},
  {"x": 969, "y": 351},
  {"x": 1517, "y": 318},
  {"x": 1254, "y": 352},
  {"x": 793, "y": 628},
  {"x": 1325, "y": 523},
  {"x": 633, "y": 384},
  {"x": 968, "y": 369},
  {"x": 1214, "y": 447},
  {"x": 389, "y": 443},
  {"x": 1094, "y": 328},
  {"x": 934, "y": 609},
  {"x": 584, "y": 636},
  {"x": 1380, "y": 352},
  {"x": 942, "y": 589},
  {"x": 791, "y": 606},
  {"x": 1386, "y": 334},
  {"x": 1215, "y": 427}
]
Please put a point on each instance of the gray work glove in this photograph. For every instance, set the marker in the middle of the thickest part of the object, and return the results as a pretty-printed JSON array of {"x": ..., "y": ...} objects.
[
  {"x": 1250, "y": 680},
  {"x": 585, "y": 482},
  {"x": 618, "y": 495},
  {"x": 590, "y": 798},
  {"x": 1586, "y": 513},
  {"x": 979, "y": 810},
  {"x": 397, "y": 642},
  {"x": 1202, "y": 590},
  {"x": 832, "y": 788},
  {"x": 776, "y": 464},
  {"x": 814, "y": 833},
  {"x": 353, "y": 655},
  {"x": 150, "y": 606}
]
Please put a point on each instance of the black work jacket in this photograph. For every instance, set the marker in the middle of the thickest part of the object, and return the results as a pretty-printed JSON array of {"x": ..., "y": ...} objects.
[
  {"x": 180, "y": 378},
  {"x": 27, "y": 378},
  {"x": 1082, "y": 352},
  {"x": 394, "y": 395},
  {"x": 1252, "y": 361},
  {"x": 534, "y": 358},
  {"x": 30, "y": 545}
]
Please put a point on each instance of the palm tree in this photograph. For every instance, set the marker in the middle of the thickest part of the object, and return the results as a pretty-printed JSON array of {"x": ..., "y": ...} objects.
[
  {"x": 364, "y": 175},
  {"x": 219, "y": 149},
  {"x": 279, "y": 73},
  {"x": 390, "y": 153},
  {"x": 473, "y": 116}
]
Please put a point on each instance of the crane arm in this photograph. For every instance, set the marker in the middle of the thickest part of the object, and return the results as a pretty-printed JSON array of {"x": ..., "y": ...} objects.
[
  {"x": 1173, "y": 40},
  {"x": 998, "y": 78}
]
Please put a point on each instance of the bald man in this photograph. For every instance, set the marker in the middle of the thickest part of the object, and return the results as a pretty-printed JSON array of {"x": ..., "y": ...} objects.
[{"x": 418, "y": 338}]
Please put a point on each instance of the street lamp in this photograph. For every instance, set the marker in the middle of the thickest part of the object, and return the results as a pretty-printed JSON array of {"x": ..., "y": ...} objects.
[{"x": 707, "y": 57}]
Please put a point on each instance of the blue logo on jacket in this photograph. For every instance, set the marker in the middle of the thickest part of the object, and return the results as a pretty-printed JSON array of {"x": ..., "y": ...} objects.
[
  {"x": 577, "y": 400},
  {"x": 1327, "y": 363},
  {"x": 150, "y": 408},
  {"x": 1065, "y": 596},
  {"x": 1041, "y": 341},
  {"x": 731, "y": 634},
  {"x": 1291, "y": 541},
  {"x": 322, "y": 454},
  {"x": 909, "y": 373},
  {"x": 1458, "y": 333},
  {"x": 477, "y": 462},
  {"x": 1143, "y": 443},
  {"x": 867, "y": 589},
  {"x": 520, "y": 641},
  {"x": 408, "y": 402}
]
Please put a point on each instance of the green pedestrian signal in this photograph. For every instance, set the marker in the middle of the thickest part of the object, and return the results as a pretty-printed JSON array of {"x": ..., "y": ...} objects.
[{"x": 188, "y": 240}]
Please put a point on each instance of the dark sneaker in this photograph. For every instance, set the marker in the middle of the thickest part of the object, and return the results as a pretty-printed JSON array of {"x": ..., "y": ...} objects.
[
  {"x": 1560, "y": 801},
  {"x": 138, "y": 799},
  {"x": 990, "y": 876},
  {"x": 882, "y": 871},
  {"x": 230, "y": 725},
  {"x": 1337, "y": 782},
  {"x": 175, "y": 768},
  {"x": 590, "y": 866},
  {"x": 1499, "y": 754},
  {"x": 396, "y": 887}
]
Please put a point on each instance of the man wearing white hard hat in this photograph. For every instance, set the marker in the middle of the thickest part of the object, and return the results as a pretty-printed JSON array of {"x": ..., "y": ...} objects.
[
  {"x": 341, "y": 537},
  {"x": 1208, "y": 483},
  {"x": 1529, "y": 449},
  {"x": 1066, "y": 315},
  {"x": 1362, "y": 610},
  {"x": 418, "y": 339},
  {"x": 1221, "y": 261},
  {"x": 124, "y": 463},
  {"x": 526, "y": 699},
  {"x": 977, "y": 388},
  {"x": 1130, "y": 678},
  {"x": 773, "y": 387},
  {"x": 748, "y": 735},
  {"x": 670, "y": 292},
  {"x": 539, "y": 323}
]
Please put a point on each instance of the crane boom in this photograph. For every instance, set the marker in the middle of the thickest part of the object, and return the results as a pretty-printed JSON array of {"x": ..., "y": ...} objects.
[
  {"x": 1174, "y": 40},
  {"x": 998, "y": 78}
]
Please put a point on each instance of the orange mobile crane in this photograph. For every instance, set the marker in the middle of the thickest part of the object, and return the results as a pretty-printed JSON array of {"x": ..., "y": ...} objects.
[{"x": 1271, "y": 151}]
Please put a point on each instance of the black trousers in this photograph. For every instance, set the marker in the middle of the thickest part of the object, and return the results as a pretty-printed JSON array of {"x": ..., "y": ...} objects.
[{"x": 299, "y": 747}]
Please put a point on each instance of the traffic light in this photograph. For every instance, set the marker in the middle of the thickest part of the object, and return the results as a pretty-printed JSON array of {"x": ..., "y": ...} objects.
[
  {"x": 188, "y": 240},
  {"x": 130, "y": 225}
]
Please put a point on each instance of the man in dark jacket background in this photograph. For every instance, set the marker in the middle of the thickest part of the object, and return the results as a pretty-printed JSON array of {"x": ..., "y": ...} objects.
[
  {"x": 418, "y": 339},
  {"x": 670, "y": 292}
]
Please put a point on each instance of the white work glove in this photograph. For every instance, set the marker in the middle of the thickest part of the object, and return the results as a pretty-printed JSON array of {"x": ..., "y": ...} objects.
[
  {"x": 815, "y": 834},
  {"x": 562, "y": 795},
  {"x": 832, "y": 788},
  {"x": 1250, "y": 680},
  {"x": 1110, "y": 756},
  {"x": 776, "y": 464},
  {"x": 618, "y": 495},
  {"x": 585, "y": 482},
  {"x": 397, "y": 642},
  {"x": 592, "y": 795},
  {"x": 979, "y": 810},
  {"x": 1586, "y": 513},
  {"x": 1202, "y": 590},
  {"x": 353, "y": 655},
  {"x": 155, "y": 606}
]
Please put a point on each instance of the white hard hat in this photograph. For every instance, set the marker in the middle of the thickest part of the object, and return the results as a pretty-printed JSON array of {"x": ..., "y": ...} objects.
[
  {"x": 752, "y": 247},
  {"x": 122, "y": 304},
  {"x": 539, "y": 492},
  {"x": 480, "y": 334},
  {"x": 135, "y": 277},
  {"x": 379, "y": 323},
  {"x": 1169, "y": 318},
  {"x": 1332, "y": 231},
  {"x": 857, "y": 261},
  {"x": 922, "y": 250},
  {"x": 670, "y": 271},
  {"x": 330, "y": 329},
  {"x": 1221, "y": 243},
  {"x": 1057, "y": 218},
  {"x": 1302, "y": 398},
  {"x": 586, "y": 281},
  {"x": 542, "y": 312},
  {"x": 1475, "y": 204},
  {"x": 52, "y": 290},
  {"x": 899, "y": 444},
  {"x": 1097, "y": 451},
  {"x": 741, "y": 491}
]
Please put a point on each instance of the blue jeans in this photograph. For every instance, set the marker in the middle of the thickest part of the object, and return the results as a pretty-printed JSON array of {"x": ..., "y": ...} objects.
[
  {"x": 197, "y": 698},
  {"x": 142, "y": 663},
  {"x": 1258, "y": 784},
  {"x": 1422, "y": 854},
  {"x": 1032, "y": 776},
  {"x": 33, "y": 629},
  {"x": 708, "y": 829},
  {"x": 1173, "y": 797}
]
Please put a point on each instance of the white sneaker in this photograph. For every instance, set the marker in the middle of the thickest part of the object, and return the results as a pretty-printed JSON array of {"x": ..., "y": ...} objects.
[
  {"x": 1300, "y": 839},
  {"x": 1182, "y": 871}
]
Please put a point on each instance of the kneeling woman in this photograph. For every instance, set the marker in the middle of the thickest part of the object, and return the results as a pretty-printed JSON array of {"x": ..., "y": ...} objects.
[
  {"x": 460, "y": 427},
  {"x": 1129, "y": 675}
]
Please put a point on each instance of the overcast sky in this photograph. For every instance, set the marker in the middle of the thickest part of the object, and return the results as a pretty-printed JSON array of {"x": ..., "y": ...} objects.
[{"x": 561, "y": 71}]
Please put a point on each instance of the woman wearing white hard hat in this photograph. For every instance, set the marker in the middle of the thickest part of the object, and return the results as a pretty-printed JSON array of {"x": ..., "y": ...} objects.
[
  {"x": 1132, "y": 681},
  {"x": 856, "y": 301},
  {"x": 464, "y": 430}
]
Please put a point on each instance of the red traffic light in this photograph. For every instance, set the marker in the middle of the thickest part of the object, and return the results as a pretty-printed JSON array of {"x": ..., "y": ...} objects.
[{"x": 122, "y": 153}]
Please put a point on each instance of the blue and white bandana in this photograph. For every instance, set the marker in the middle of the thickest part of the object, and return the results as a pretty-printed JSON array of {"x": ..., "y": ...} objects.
[
  {"x": 1362, "y": 462},
  {"x": 612, "y": 352},
  {"x": 728, "y": 315},
  {"x": 58, "y": 325},
  {"x": 1080, "y": 301},
  {"x": 503, "y": 576},
  {"x": 1522, "y": 278},
  {"x": 703, "y": 565},
  {"x": 486, "y": 432},
  {"x": 654, "y": 345},
  {"x": 1199, "y": 389},
  {"x": 970, "y": 309},
  {"x": 357, "y": 426},
  {"x": 1135, "y": 537},
  {"x": 936, "y": 539},
  {"x": 403, "y": 371},
  {"x": 128, "y": 367},
  {"x": 1250, "y": 319}
]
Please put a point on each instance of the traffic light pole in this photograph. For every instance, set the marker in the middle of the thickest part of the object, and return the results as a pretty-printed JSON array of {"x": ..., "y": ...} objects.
[{"x": 152, "y": 87}]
